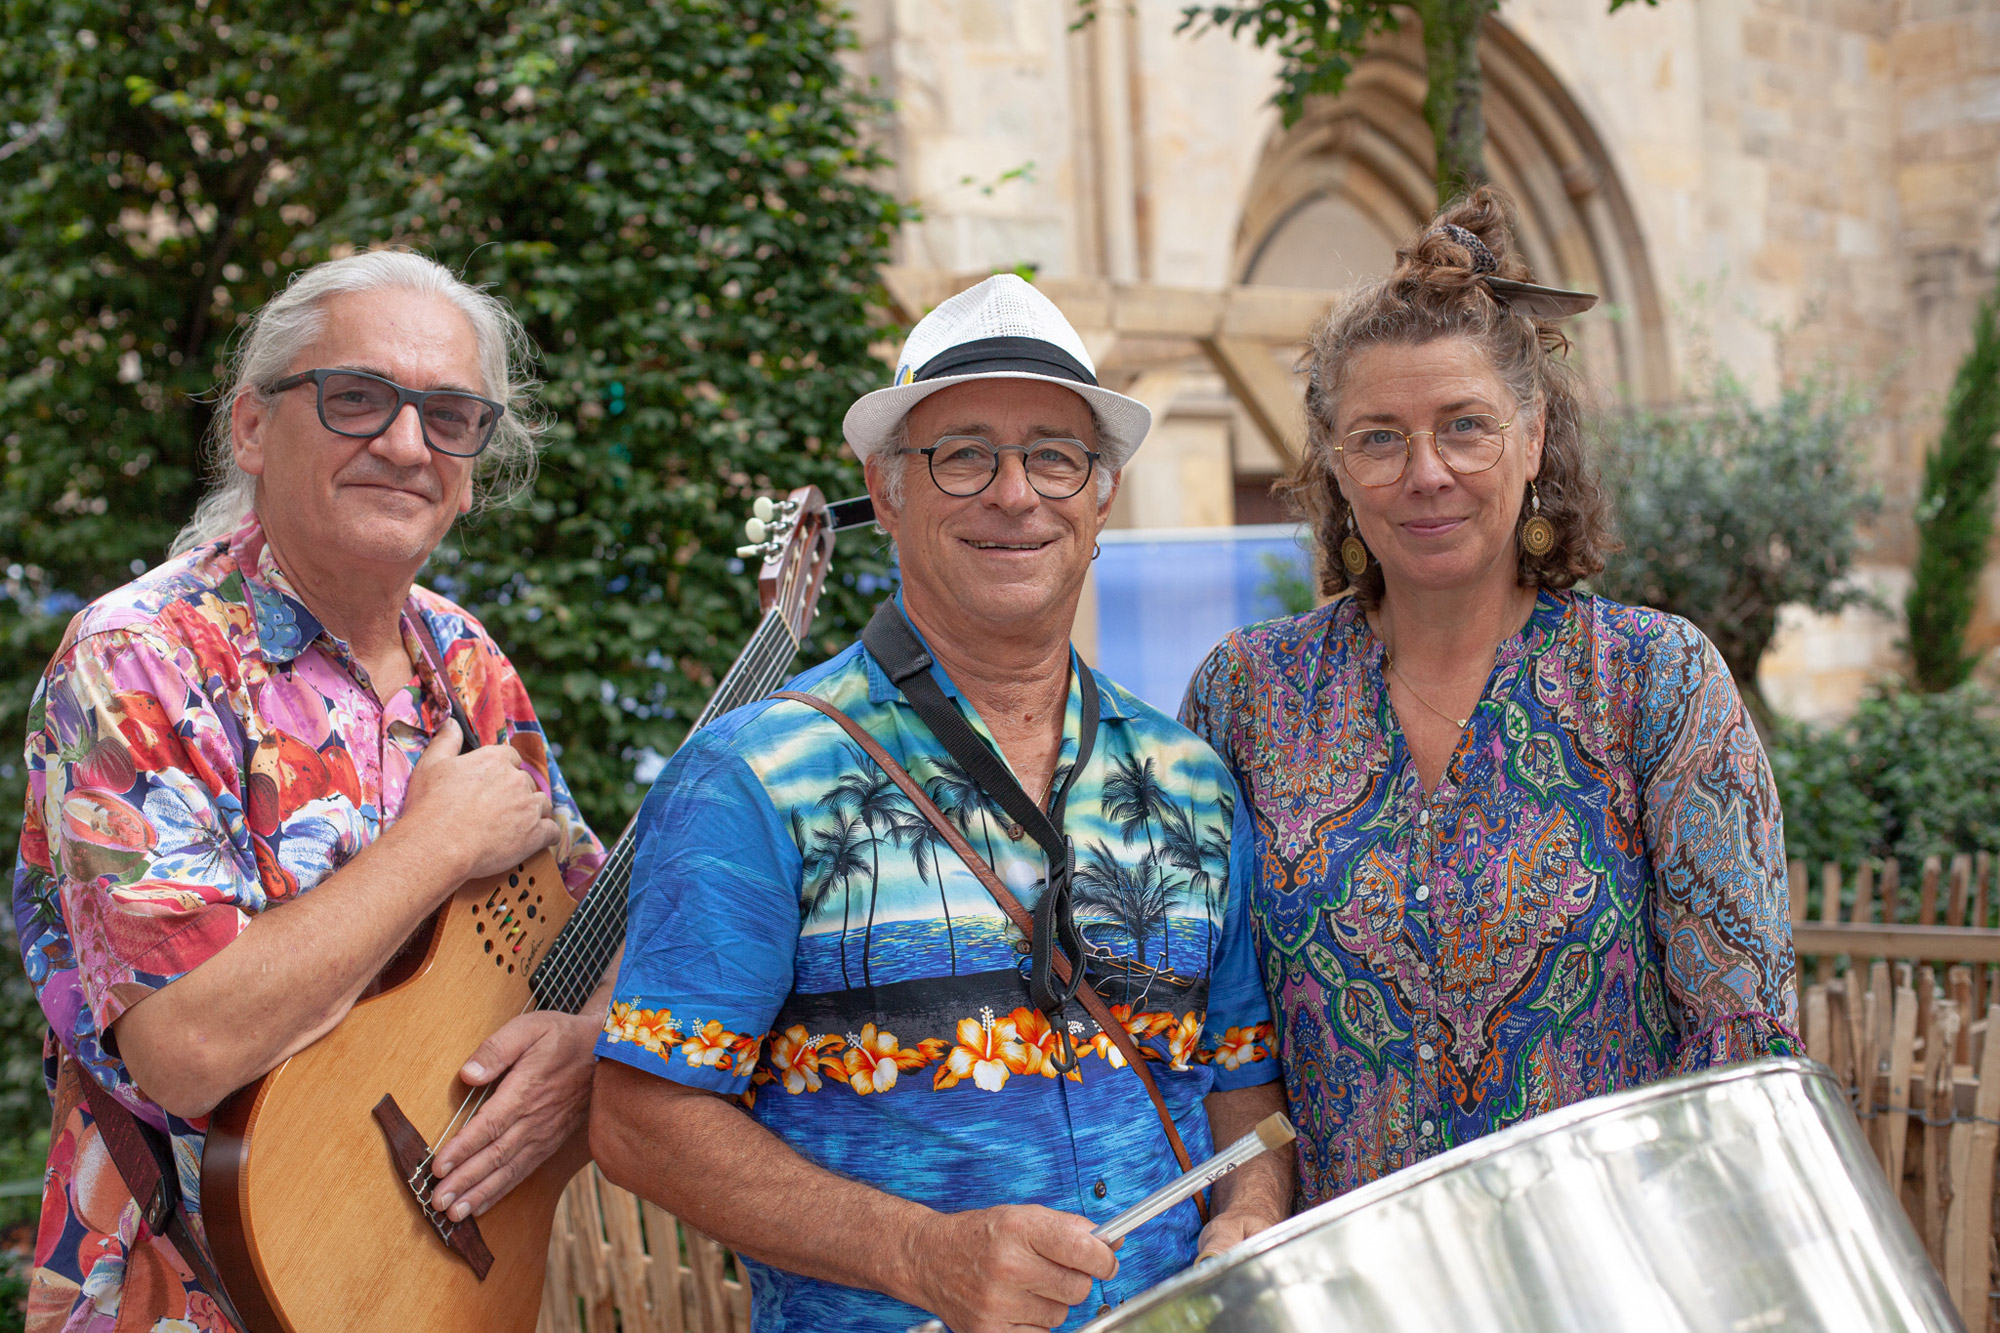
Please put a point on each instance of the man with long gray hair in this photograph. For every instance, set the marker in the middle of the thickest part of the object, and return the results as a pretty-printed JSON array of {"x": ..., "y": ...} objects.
[{"x": 247, "y": 789}]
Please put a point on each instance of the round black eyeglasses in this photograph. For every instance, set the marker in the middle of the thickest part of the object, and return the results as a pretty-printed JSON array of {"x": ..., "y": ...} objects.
[
  {"x": 361, "y": 406},
  {"x": 965, "y": 465}
]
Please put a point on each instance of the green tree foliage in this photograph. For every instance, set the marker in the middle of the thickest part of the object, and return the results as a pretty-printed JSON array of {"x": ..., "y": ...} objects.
[
  {"x": 1730, "y": 510},
  {"x": 674, "y": 197},
  {"x": 1910, "y": 775},
  {"x": 1319, "y": 41},
  {"x": 1955, "y": 512}
]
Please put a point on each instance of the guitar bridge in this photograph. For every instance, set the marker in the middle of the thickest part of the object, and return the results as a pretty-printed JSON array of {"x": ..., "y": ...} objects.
[{"x": 412, "y": 1157}]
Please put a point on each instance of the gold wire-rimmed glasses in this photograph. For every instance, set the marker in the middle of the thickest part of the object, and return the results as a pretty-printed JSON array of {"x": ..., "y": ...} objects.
[{"x": 1379, "y": 455}]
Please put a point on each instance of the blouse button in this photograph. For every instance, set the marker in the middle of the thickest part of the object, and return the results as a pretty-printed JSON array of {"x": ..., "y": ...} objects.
[
  {"x": 1427, "y": 1129},
  {"x": 1424, "y": 816},
  {"x": 1423, "y": 893},
  {"x": 1099, "y": 1189},
  {"x": 1425, "y": 1052}
]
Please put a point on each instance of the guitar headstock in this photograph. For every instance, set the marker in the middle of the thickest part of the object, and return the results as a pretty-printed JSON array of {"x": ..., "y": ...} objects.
[{"x": 794, "y": 540}]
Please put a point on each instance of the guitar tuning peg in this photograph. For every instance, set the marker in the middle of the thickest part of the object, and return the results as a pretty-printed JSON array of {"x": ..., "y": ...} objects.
[
  {"x": 763, "y": 508},
  {"x": 748, "y": 552},
  {"x": 756, "y": 529}
]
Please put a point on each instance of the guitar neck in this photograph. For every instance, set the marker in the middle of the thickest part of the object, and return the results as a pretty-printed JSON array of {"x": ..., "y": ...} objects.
[{"x": 576, "y": 961}]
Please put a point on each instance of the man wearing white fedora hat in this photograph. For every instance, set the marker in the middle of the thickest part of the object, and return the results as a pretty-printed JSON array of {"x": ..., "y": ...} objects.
[{"x": 847, "y": 1039}]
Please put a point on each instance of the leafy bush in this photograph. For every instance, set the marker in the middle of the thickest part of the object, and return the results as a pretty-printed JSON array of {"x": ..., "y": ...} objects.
[
  {"x": 674, "y": 197},
  {"x": 1729, "y": 510},
  {"x": 1910, "y": 775}
]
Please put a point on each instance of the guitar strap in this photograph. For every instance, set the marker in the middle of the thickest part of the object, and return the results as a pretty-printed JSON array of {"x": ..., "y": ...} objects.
[
  {"x": 145, "y": 1161},
  {"x": 901, "y": 652}
]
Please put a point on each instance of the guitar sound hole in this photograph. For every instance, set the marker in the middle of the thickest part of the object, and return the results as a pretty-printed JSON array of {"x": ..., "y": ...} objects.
[
  {"x": 531, "y": 911},
  {"x": 481, "y": 928},
  {"x": 513, "y": 881},
  {"x": 489, "y": 944}
]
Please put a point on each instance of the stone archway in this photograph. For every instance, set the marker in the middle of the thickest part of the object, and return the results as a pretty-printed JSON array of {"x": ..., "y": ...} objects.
[{"x": 1336, "y": 193}]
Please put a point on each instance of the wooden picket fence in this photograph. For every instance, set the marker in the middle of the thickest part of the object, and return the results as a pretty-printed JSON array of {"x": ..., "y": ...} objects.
[
  {"x": 617, "y": 1264},
  {"x": 1901, "y": 1011},
  {"x": 1871, "y": 1001}
]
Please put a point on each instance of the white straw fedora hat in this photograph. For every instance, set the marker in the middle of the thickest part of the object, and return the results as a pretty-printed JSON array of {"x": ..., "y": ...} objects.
[{"x": 1001, "y": 329}]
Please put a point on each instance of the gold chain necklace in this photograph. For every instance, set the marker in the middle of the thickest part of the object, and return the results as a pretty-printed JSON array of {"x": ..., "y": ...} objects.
[{"x": 1389, "y": 661}]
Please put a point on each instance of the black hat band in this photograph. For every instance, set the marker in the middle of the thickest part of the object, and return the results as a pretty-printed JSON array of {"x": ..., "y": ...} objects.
[{"x": 983, "y": 356}]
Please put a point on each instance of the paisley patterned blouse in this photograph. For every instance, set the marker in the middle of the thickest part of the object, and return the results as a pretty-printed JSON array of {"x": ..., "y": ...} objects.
[{"x": 1592, "y": 897}]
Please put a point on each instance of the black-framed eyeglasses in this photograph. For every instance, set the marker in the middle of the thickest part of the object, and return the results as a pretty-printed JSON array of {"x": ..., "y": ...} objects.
[
  {"x": 1468, "y": 443},
  {"x": 963, "y": 465},
  {"x": 361, "y": 406}
]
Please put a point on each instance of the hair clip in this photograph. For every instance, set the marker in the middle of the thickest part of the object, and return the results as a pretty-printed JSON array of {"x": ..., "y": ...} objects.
[{"x": 1525, "y": 298}]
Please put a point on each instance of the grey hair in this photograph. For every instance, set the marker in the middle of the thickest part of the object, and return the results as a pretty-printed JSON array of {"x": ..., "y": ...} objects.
[
  {"x": 288, "y": 323},
  {"x": 889, "y": 455}
]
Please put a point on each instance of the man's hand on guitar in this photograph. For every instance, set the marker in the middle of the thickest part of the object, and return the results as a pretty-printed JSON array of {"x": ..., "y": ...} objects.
[
  {"x": 484, "y": 808},
  {"x": 542, "y": 1062}
]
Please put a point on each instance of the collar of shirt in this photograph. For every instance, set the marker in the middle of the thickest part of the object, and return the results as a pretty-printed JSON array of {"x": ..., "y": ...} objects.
[
  {"x": 882, "y": 691},
  {"x": 286, "y": 626}
]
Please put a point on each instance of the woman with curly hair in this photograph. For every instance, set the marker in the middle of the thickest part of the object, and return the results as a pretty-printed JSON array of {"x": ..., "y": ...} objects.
[{"x": 1517, "y": 845}]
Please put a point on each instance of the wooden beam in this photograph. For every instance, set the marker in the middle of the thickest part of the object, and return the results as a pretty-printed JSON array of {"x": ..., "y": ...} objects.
[
  {"x": 1139, "y": 309},
  {"x": 1265, "y": 389},
  {"x": 1946, "y": 944}
]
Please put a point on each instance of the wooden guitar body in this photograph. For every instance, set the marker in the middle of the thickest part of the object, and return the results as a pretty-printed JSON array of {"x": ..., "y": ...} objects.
[{"x": 313, "y": 1228}]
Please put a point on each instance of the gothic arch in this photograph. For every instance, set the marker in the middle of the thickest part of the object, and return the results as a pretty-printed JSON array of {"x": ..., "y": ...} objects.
[{"x": 1336, "y": 192}]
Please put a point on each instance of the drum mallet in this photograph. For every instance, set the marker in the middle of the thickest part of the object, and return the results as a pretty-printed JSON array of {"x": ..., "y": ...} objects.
[{"x": 1272, "y": 1133}]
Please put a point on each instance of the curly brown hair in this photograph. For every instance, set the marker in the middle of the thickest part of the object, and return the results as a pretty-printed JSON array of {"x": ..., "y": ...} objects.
[{"x": 1434, "y": 293}]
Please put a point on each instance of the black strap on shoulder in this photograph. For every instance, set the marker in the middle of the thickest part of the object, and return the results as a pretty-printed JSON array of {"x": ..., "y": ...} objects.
[
  {"x": 144, "y": 1159},
  {"x": 468, "y": 738},
  {"x": 891, "y": 641}
]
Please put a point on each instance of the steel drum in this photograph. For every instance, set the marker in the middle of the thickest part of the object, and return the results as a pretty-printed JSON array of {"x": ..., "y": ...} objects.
[{"x": 1735, "y": 1201}]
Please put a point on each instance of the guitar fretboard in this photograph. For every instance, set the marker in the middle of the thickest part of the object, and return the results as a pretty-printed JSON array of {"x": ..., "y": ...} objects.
[{"x": 576, "y": 961}]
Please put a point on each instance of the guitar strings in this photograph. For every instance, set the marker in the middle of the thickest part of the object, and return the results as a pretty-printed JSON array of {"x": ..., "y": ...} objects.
[{"x": 762, "y": 664}]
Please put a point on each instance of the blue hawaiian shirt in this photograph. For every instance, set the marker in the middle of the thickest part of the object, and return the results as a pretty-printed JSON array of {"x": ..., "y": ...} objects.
[{"x": 801, "y": 937}]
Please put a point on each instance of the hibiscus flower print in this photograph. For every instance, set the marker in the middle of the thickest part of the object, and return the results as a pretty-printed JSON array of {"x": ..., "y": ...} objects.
[
  {"x": 712, "y": 1046},
  {"x": 1183, "y": 1041},
  {"x": 874, "y": 1059},
  {"x": 1140, "y": 1026},
  {"x": 796, "y": 1059},
  {"x": 651, "y": 1028},
  {"x": 1242, "y": 1046},
  {"x": 988, "y": 1050},
  {"x": 1042, "y": 1043}
]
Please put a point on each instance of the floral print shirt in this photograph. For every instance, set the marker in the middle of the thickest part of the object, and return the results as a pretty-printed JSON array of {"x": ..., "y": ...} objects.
[
  {"x": 200, "y": 750},
  {"x": 800, "y": 936},
  {"x": 1593, "y": 896}
]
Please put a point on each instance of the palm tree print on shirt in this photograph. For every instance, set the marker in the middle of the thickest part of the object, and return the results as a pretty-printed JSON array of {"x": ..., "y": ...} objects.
[
  {"x": 927, "y": 845},
  {"x": 1188, "y": 848},
  {"x": 875, "y": 799},
  {"x": 1133, "y": 797},
  {"x": 1133, "y": 895},
  {"x": 836, "y": 855}
]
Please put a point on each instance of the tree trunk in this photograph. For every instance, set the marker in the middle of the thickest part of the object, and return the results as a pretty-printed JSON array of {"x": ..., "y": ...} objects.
[{"x": 1452, "y": 102}]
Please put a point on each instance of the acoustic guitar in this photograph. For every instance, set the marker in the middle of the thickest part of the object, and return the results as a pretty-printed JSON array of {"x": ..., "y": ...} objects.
[{"x": 316, "y": 1179}]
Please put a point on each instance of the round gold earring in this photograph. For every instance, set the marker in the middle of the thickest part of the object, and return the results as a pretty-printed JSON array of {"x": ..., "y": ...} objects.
[
  {"x": 1353, "y": 555},
  {"x": 1538, "y": 535}
]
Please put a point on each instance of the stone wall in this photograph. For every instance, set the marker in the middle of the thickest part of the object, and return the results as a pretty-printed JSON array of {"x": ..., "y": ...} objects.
[{"x": 1813, "y": 187}]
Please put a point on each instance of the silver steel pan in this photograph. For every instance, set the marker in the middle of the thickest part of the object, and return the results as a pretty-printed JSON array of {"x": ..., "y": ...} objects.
[{"x": 1735, "y": 1201}]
